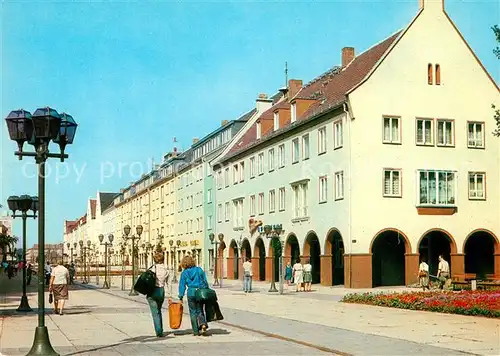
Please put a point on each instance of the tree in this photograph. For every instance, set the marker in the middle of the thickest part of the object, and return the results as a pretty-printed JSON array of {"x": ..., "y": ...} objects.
[
  {"x": 496, "y": 51},
  {"x": 7, "y": 241}
]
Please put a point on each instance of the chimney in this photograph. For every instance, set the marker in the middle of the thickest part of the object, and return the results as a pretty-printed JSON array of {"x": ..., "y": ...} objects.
[
  {"x": 294, "y": 85},
  {"x": 224, "y": 122},
  {"x": 347, "y": 55},
  {"x": 195, "y": 140},
  {"x": 437, "y": 5},
  {"x": 263, "y": 103}
]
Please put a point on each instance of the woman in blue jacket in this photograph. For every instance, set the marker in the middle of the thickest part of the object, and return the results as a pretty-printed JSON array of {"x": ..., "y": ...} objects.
[{"x": 193, "y": 277}]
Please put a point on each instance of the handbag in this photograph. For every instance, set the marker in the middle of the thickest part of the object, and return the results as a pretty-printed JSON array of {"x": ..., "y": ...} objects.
[
  {"x": 205, "y": 295},
  {"x": 422, "y": 274},
  {"x": 146, "y": 282},
  {"x": 175, "y": 311},
  {"x": 51, "y": 298}
]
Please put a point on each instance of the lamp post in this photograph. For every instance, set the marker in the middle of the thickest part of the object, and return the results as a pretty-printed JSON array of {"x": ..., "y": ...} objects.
[
  {"x": 106, "y": 244},
  {"x": 24, "y": 203},
  {"x": 75, "y": 246},
  {"x": 123, "y": 249},
  {"x": 172, "y": 259},
  {"x": 83, "y": 253},
  {"x": 126, "y": 231},
  {"x": 39, "y": 129},
  {"x": 239, "y": 244},
  {"x": 96, "y": 257},
  {"x": 214, "y": 242},
  {"x": 274, "y": 232},
  {"x": 146, "y": 247}
]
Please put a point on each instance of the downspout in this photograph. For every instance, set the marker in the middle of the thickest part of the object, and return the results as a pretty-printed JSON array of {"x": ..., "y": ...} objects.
[{"x": 348, "y": 117}]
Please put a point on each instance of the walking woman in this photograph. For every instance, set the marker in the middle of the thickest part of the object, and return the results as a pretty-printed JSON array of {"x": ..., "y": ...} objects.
[
  {"x": 156, "y": 299},
  {"x": 298, "y": 276},
  {"x": 307, "y": 276},
  {"x": 58, "y": 286},
  {"x": 288, "y": 273},
  {"x": 423, "y": 274},
  {"x": 192, "y": 278}
]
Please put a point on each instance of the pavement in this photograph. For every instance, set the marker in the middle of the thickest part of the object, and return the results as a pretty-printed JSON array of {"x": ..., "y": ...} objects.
[{"x": 109, "y": 321}]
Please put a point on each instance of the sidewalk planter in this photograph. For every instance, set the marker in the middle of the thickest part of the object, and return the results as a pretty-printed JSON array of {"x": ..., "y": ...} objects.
[{"x": 479, "y": 303}]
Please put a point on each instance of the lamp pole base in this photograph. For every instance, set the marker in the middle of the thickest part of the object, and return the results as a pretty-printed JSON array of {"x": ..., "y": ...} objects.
[
  {"x": 216, "y": 282},
  {"x": 24, "y": 306},
  {"x": 133, "y": 292},
  {"x": 105, "y": 285},
  {"x": 41, "y": 344},
  {"x": 273, "y": 288}
]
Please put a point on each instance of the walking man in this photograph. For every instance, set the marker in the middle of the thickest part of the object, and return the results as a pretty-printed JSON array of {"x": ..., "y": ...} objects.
[
  {"x": 443, "y": 271},
  {"x": 247, "y": 276}
]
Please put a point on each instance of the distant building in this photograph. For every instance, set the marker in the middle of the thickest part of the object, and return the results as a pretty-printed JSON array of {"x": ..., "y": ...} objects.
[{"x": 53, "y": 253}]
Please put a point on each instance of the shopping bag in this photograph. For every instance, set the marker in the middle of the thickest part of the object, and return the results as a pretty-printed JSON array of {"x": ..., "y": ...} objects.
[
  {"x": 175, "y": 311},
  {"x": 146, "y": 282},
  {"x": 205, "y": 295},
  {"x": 51, "y": 298}
]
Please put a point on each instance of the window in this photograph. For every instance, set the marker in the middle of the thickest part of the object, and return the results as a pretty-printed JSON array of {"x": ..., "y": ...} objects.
[
  {"x": 236, "y": 174},
  {"x": 293, "y": 113},
  {"x": 477, "y": 182},
  {"x": 429, "y": 74},
  {"x": 261, "y": 163},
  {"x": 226, "y": 211},
  {"x": 445, "y": 133},
  {"x": 300, "y": 200},
  {"x": 438, "y": 74},
  {"x": 322, "y": 140},
  {"x": 252, "y": 167},
  {"x": 261, "y": 203},
  {"x": 475, "y": 136},
  {"x": 219, "y": 213},
  {"x": 425, "y": 132},
  {"x": 281, "y": 156},
  {"x": 272, "y": 201},
  {"x": 219, "y": 179},
  {"x": 252, "y": 205},
  {"x": 305, "y": 147},
  {"x": 323, "y": 190},
  {"x": 276, "y": 119},
  {"x": 282, "y": 200},
  {"x": 338, "y": 135},
  {"x": 259, "y": 130},
  {"x": 295, "y": 150},
  {"x": 226, "y": 177},
  {"x": 209, "y": 195},
  {"x": 339, "y": 185},
  {"x": 392, "y": 183},
  {"x": 391, "y": 130},
  {"x": 270, "y": 157},
  {"x": 238, "y": 213},
  {"x": 242, "y": 171},
  {"x": 436, "y": 187}
]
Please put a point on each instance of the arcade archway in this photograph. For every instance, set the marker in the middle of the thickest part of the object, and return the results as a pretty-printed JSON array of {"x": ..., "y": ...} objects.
[
  {"x": 388, "y": 258},
  {"x": 312, "y": 251}
]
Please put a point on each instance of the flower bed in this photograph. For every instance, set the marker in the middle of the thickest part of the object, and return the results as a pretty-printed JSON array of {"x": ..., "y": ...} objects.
[{"x": 482, "y": 303}]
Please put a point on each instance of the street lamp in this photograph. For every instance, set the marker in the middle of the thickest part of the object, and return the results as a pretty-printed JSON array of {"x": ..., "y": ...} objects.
[
  {"x": 123, "y": 249},
  {"x": 24, "y": 203},
  {"x": 274, "y": 232},
  {"x": 83, "y": 253},
  {"x": 239, "y": 245},
  {"x": 173, "y": 259},
  {"x": 146, "y": 247},
  {"x": 106, "y": 244},
  {"x": 126, "y": 231},
  {"x": 215, "y": 242},
  {"x": 39, "y": 129},
  {"x": 96, "y": 259}
]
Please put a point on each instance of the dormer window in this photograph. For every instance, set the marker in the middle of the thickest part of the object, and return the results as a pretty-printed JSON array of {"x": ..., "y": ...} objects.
[
  {"x": 259, "y": 130},
  {"x": 293, "y": 113},
  {"x": 276, "y": 121}
]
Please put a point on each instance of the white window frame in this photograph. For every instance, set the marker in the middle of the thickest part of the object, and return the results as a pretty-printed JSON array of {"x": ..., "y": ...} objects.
[
  {"x": 238, "y": 213},
  {"x": 293, "y": 112},
  {"x": 322, "y": 140},
  {"x": 423, "y": 142},
  {"x": 242, "y": 171},
  {"x": 261, "y": 205},
  {"x": 226, "y": 177},
  {"x": 236, "y": 174},
  {"x": 276, "y": 121},
  {"x": 259, "y": 130},
  {"x": 323, "y": 189},
  {"x": 475, "y": 193},
  {"x": 271, "y": 160},
  {"x": 219, "y": 213},
  {"x": 295, "y": 150},
  {"x": 338, "y": 134},
  {"x": 272, "y": 201},
  {"x": 252, "y": 205},
  {"x": 445, "y": 123},
  {"x": 472, "y": 141},
  {"x": 282, "y": 199},
  {"x": 450, "y": 202},
  {"x": 227, "y": 211},
  {"x": 252, "y": 167},
  {"x": 339, "y": 185},
  {"x": 209, "y": 222},
  {"x": 281, "y": 156},
  {"x": 260, "y": 163},
  {"x": 392, "y": 172},
  {"x": 300, "y": 199},
  {"x": 306, "y": 147},
  {"x": 389, "y": 138}
]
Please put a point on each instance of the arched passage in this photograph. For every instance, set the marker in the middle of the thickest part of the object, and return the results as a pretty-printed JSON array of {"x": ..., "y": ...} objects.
[
  {"x": 246, "y": 249},
  {"x": 334, "y": 246},
  {"x": 260, "y": 253},
  {"x": 388, "y": 258},
  {"x": 312, "y": 251},
  {"x": 479, "y": 250},
  {"x": 292, "y": 249},
  {"x": 434, "y": 243},
  {"x": 234, "y": 256}
]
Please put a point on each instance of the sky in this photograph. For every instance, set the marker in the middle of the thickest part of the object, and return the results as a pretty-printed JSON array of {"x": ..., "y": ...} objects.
[{"x": 134, "y": 75}]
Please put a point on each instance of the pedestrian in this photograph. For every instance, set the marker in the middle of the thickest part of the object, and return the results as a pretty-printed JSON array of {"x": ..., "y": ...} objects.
[
  {"x": 58, "y": 285},
  {"x": 247, "y": 276},
  {"x": 423, "y": 273},
  {"x": 288, "y": 273},
  {"x": 48, "y": 272},
  {"x": 192, "y": 278},
  {"x": 10, "y": 270},
  {"x": 71, "y": 273},
  {"x": 307, "y": 276},
  {"x": 29, "y": 272},
  {"x": 156, "y": 299},
  {"x": 443, "y": 271},
  {"x": 298, "y": 275}
]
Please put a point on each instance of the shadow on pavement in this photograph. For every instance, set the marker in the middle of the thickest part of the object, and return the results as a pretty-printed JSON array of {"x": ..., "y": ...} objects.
[{"x": 12, "y": 312}]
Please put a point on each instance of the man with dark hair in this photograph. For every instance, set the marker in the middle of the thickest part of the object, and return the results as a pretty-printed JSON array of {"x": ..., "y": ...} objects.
[
  {"x": 247, "y": 276},
  {"x": 443, "y": 271}
]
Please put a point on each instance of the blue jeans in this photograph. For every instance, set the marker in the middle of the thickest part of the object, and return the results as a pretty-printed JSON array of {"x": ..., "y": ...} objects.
[
  {"x": 247, "y": 283},
  {"x": 155, "y": 301},
  {"x": 196, "y": 315}
]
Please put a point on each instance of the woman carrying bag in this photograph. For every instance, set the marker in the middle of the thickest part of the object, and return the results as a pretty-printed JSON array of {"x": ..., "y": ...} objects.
[{"x": 157, "y": 297}]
